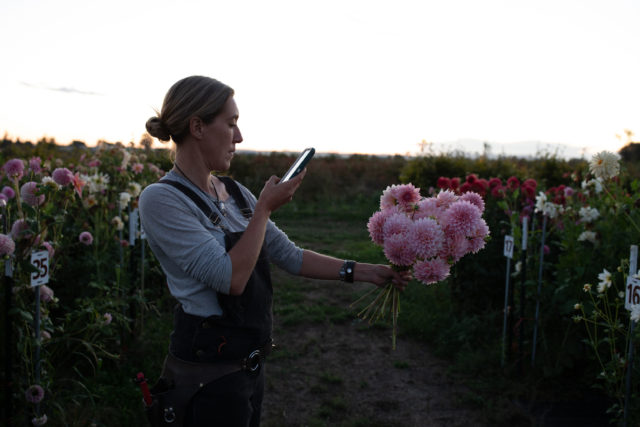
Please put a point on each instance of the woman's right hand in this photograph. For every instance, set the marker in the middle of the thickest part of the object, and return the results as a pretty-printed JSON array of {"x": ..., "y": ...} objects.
[{"x": 275, "y": 194}]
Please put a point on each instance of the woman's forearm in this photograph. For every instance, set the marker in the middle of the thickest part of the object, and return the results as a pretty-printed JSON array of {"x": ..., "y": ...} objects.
[{"x": 318, "y": 266}]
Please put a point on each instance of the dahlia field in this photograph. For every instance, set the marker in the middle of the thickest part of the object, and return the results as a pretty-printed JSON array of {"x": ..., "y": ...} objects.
[{"x": 556, "y": 318}]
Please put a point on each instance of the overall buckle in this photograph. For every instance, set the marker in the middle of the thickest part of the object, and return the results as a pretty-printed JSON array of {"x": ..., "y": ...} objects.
[{"x": 252, "y": 363}]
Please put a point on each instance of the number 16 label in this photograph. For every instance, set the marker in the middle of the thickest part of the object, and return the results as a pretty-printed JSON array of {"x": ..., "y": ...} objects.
[
  {"x": 632, "y": 294},
  {"x": 40, "y": 260}
]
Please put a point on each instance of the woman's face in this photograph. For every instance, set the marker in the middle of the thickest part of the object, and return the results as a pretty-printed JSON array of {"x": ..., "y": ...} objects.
[{"x": 221, "y": 136}]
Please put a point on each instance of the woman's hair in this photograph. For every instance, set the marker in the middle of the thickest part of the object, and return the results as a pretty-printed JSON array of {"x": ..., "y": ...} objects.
[{"x": 195, "y": 96}]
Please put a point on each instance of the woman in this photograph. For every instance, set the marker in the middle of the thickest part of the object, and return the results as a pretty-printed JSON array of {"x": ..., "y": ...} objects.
[{"x": 215, "y": 241}]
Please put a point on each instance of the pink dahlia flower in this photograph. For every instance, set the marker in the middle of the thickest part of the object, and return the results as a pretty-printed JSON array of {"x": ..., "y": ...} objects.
[
  {"x": 426, "y": 237},
  {"x": 34, "y": 394},
  {"x": 407, "y": 196},
  {"x": 461, "y": 217},
  {"x": 398, "y": 250},
  {"x": 85, "y": 238},
  {"x": 396, "y": 223},
  {"x": 34, "y": 165},
  {"x": 376, "y": 224},
  {"x": 137, "y": 168},
  {"x": 19, "y": 230},
  {"x": 46, "y": 293},
  {"x": 455, "y": 246},
  {"x": 446, "y": 198},
  {"x": 49, "y": 248},
  {"x": 8, "y": 191},
  {"x": 28, "y": 194},
  {"x": 7, "y": 245},
  {"x": 62, "y": 176},
  {"x": 107, "y": 318},
  {"x": 387, "y": 200},
  {"x": 428, "y": 208},
  {"x": 14, "y": 168},
  {"x": 474, "y": 199},
  {"x": 431, "y": 271}
]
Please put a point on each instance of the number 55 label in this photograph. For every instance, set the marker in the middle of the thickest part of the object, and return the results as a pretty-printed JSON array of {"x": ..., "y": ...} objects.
[
  {"x": 632, "y": 294},
  {"x": 40, "y": 260}
]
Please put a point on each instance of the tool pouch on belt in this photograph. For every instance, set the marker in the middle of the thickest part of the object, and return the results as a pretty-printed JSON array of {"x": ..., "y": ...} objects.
[{"x": 179, "y": 382}]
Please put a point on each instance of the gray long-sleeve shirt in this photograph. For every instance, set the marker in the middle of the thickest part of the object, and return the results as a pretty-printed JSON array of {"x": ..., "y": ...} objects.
[{"x": 191, "y": 249}]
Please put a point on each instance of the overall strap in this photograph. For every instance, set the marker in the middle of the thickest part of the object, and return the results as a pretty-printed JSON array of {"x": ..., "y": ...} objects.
[
  {"x": 232, "y": 188},
  {"x": 235, "y": 192},
  {"x": 213, "y": 217}
]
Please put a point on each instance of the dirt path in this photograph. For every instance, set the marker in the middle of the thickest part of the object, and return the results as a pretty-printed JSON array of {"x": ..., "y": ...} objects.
[{"x": 345, "y": 373}]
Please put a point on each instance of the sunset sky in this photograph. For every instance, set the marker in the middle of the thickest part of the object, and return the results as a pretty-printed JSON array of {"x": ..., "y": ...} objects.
[{"x": 342, "y": 76}]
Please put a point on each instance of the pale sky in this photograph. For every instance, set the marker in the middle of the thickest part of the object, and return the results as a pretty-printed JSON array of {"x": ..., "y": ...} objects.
[{"x": 342, "y": 76}]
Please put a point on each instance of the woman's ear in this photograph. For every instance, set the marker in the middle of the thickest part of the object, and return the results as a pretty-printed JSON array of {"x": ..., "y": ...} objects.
[{"x": 196, "y": 127}]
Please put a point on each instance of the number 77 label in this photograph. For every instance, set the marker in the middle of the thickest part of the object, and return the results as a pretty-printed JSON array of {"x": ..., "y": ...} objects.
[{"x": 40, "y": 260}]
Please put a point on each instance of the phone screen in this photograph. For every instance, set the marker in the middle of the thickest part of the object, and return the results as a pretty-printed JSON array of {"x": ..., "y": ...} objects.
[{"x": 299, "y": 164}]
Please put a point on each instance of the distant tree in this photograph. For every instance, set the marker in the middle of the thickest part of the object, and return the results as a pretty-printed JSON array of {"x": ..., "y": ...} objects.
[
  {"x": 146, "y": 141},
  {"x": 78, "y": 145}
]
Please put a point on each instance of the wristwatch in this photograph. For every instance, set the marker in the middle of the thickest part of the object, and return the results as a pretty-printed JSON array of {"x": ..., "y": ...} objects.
[{"x": 346, "y": 271}]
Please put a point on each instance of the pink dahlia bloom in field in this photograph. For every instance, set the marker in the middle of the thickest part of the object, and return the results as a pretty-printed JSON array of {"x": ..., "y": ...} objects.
[
  {"x": 35, "y": 165},
  {"x": 9, "y": 192},
  {"x": 14, "y": 168},
  {"x": 46, "y": 293},
  {"x": 107, "y": 318},
  {"x": 85, "y": 238},
  {"x": 34, "y": 394},
  {"x": 19, "y": 230},
  {"x": 62, "y": 176},
  {"x": 39, "y": 421},
  {"x": 29, "y": 196},
  {"x": 431, "y": 270},
  {"x": 398, "y": 250},
  {"x": 137, "y": 168},
  {"x": 49, "y": 249},
  {"x": 7, "y": 245}
]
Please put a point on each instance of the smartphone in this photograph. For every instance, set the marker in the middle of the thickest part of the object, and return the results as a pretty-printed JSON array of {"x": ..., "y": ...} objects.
[{"x": 299, "y": 165}]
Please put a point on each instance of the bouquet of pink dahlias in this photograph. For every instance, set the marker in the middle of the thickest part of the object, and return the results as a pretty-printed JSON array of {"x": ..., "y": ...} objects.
[{"x": 425, "y": 236}]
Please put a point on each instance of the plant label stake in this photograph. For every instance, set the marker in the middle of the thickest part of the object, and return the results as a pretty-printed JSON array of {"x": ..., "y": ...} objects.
[
  {"x": 508, "y": 253},
  {"x": 40, "y": 260},
  {"x": 133, "y": 226},
  {"x": 7, "y": 413},
  {"x": 525, "y": 230},
  {"x": 535, "y": 325},
  {"x": 632, "y": 297}
]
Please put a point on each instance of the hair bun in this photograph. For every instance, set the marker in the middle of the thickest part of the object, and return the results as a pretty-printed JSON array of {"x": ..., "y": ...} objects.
[{"x": 158, "y": 129}]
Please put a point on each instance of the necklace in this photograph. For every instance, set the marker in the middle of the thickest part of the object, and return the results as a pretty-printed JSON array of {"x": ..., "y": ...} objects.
[{"x": 219, "y": 203}]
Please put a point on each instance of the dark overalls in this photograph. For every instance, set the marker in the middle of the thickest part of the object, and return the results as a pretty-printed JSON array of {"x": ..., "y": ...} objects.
[{"x": 240, "y": 338}]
